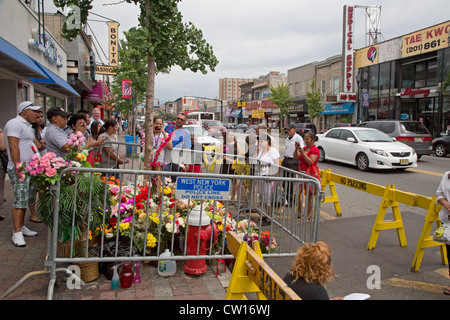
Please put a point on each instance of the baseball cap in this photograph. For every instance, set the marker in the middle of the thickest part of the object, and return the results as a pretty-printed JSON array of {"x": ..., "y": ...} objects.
[
  {"x": 55, "y": 111},
  {"x": 27, "y": 105}
]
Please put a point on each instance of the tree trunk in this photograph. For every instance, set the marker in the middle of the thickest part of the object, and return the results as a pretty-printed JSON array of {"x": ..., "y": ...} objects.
[{"x": 150, "y": 95}]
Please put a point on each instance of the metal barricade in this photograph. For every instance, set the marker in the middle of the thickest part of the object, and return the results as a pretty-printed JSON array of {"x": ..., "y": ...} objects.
[{"x": 134, "y": 214}]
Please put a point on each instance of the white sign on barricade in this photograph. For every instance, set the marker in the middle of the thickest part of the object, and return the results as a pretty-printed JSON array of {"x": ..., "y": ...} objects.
[{"x": 202, "y": 189}]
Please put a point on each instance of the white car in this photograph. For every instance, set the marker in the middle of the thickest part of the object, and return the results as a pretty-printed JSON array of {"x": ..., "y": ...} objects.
[
  {"x": 365, "y": 148},
  {"x": 204, "y": 137}
]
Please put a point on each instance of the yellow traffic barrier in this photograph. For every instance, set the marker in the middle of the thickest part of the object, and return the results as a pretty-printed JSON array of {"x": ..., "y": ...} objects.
[
  {"x": 390, "y": 199},
  {"x": 214, "y": 161},
  {"x": 426, "y": 239},
  {"x": 251, "y": 274}
]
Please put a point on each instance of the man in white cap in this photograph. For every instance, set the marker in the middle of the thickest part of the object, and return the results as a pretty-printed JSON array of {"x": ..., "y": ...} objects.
[{"x": 19, "y": 138}]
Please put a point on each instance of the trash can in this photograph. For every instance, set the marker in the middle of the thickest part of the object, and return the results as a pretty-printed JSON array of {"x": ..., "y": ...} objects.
[{"x": 129, "y": 139}]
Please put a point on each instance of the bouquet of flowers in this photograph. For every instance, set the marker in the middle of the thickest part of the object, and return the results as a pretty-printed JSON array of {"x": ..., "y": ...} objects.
[
  {"x": 77, "y": 154},
  {"x": 158, "y": 151},
  {"x": 44, "y": 170}
]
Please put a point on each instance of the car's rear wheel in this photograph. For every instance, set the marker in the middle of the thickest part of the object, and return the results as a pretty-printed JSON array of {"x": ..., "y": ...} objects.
[
  {"x": 322, "y": 155},
  {"x": 362, "y": 162},
  {"x": 440, "y": 150}
]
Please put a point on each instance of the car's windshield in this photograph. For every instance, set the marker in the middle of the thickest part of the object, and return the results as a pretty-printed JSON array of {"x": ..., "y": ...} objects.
[
  {"x": 373, "y": 136},
  {"x": 214, "y": 123}
]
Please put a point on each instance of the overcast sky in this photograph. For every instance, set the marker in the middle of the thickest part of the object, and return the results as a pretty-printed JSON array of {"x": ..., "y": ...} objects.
[{"x": 253, "y": 37}]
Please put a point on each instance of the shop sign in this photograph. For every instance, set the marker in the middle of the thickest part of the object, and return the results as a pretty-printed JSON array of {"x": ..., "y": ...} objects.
[
  {"x": 96, "y": 94},
  {"x": 108, "y": 70},
  {"x": 365, "y": 99},
  {"x": 252, "y": 105},
  {"x": 47, "y": 46},
  {"x": 417, "y": 93},
  {"x": 258, "y": 114},
  {"x": 426, "y": 40},
  {"x": 346, "y": 97},
  {"x": 113, "y": 43},
  {"x": 348, "y": 49}
]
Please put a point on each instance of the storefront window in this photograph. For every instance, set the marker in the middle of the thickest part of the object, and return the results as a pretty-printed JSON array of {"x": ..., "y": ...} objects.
[
  {"x": 50, "y": 101},
  {"x": 431, "y": 73},
  {"x": 407, "y": 76},
  {"x": 60, "y": 103},
  {"x": 384, "y": 79},
  {"x": 39, "y": 98},
  {"x": 373, "y": 81}
]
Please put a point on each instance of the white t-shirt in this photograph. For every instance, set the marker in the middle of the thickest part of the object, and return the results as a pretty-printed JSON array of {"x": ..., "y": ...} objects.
[
  {"x": 22, "y": 129},
  {"x": 157, "y": 141},
  {"x": 443, "y": 191},
  {"x": 290, "y": 145},
  {"x": 263, "y": 168}
]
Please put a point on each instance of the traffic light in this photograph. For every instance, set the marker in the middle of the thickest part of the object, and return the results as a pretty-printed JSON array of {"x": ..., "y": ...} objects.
[
  {"x": 184, "y": 100},
  {"x": 158, "y": 102}
]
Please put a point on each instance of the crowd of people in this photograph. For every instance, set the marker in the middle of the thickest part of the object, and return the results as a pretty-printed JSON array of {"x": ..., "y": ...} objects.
[{"x": 27, "y": 130}]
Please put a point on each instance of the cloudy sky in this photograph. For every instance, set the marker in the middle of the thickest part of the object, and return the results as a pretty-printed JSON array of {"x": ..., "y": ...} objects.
[{"x": 252, "y": 37}]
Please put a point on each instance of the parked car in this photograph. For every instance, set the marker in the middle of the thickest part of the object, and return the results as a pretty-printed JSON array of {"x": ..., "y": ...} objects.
[
  {"x": 241, "y": 127},
  {"x": 411, "y": 133},
  {"x": 338, "y": 125},
  {"x": 365, "y": 148},
  {"x": 302, "y": 128},
  {"x": 440, "y": 146},
  {"x": 204, "y": 137},
  {"x": 229, "y": 125},
  {"x": 215, "y": 127}
]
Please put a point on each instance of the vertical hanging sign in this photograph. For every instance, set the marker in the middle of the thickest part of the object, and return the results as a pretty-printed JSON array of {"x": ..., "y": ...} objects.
[
  {"x": 126, "y": 88},
  {"x": 347, "y": 49},
  {"x": 113, "y": 30}
]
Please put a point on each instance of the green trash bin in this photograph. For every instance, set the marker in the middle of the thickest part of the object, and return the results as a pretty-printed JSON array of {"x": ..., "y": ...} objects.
[{"x": 129, "y": 139}]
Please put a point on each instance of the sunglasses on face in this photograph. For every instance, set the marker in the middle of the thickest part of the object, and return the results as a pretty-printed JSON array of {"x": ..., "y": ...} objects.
[{"x": 181, "y": 119}]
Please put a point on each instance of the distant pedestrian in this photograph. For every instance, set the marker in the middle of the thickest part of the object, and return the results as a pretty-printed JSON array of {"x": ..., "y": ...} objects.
[
  {"x": 443, "y": 198},
  {"x": 39, "y": 131},
  {"x": 96, "y": 116},
  {"x": 19, "y": 138}
]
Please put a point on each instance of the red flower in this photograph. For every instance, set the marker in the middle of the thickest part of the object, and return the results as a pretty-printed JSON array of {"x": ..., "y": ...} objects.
[
  {"x": 139, "y": 206},
  {"x": 112, "y": 221}
]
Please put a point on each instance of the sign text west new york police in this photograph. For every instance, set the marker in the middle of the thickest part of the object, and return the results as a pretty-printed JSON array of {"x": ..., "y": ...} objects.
[{"x": 202, "y": 188}]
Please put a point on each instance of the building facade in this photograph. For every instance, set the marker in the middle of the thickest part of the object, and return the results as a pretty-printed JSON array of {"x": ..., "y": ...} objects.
[
  {"x": 299, "y": 80},
  {"x": 33, "y": 63},
  {"x": 229, "y": 89},
  {"x": 402, "y": 78}
]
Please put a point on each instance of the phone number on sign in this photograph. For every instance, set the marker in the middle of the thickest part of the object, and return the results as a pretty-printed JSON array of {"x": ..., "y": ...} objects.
[{"x": 435, "y": 44}]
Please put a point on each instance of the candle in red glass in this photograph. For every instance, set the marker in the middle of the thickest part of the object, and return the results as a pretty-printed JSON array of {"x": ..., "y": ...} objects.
[{"x": 126, "y": 276}]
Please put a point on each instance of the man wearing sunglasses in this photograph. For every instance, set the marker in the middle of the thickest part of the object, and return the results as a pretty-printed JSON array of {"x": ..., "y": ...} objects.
[
  {"x": 19, "y": 138},
  {"x": 181, "y": 140}
]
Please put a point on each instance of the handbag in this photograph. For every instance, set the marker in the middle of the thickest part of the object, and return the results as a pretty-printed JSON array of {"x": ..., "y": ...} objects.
[{"x": 442, "y": 234}]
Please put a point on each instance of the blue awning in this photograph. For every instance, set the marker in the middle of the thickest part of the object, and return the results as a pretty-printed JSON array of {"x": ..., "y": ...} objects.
[
  {"x": 341, "y": 108},
  {"x": 236, "y": 113},
  {"x": 54, "y": 82},
  {"x": 18, "y": 62}
]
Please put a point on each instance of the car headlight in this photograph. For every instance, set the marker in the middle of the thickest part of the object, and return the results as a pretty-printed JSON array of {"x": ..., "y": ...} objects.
[{"x": 379, "y": 152}]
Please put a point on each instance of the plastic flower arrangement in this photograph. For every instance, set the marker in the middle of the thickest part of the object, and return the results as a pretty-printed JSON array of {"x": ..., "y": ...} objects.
[{"x": 267, "y": 242}]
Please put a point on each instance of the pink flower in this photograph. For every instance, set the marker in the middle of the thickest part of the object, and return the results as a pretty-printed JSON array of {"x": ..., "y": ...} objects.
[
  {"x": 35, "y": 156},
  {"x": 69, "y": 142},
  {"x": 45, "y": 163},
  {"x": 39, "y": 170},
  {"x": 79, "y": 134},
  {"x": 81, "y": 140},
  {"x": 33, "y": 172},
  {"x": 50, "y": 172},
  {"x": 18, "y": 164},
  {"x": 74, "y": 137}
]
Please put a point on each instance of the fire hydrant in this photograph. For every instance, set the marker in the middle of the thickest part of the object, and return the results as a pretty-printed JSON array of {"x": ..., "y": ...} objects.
[{"x": 198, "y": 228}]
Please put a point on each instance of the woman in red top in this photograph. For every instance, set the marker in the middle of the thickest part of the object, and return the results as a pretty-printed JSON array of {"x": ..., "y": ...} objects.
[{"x": 307, "y": 156}]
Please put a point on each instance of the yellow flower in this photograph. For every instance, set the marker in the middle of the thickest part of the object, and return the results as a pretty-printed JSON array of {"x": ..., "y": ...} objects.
[
  {"x": 151, "y": 240},
  {"x": 156, "y": 220},
  {"x": 124, "y": 226},
  {"x": 81, "y": 157},
  {"x": 167, "y": 191}
]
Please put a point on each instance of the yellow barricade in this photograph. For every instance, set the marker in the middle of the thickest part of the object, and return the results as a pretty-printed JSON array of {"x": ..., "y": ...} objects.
[
  {"x": 252, "y": 274},
  {"x": 390, "y": 199},
  {"x": 210, "y": 166}
]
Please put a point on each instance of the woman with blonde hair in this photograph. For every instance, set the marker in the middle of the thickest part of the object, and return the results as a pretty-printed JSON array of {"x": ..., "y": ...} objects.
[{"x": 310, "y": 271}]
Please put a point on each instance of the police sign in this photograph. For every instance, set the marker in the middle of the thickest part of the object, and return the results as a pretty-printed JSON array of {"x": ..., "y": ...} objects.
[{"x": 202, "y": 188}]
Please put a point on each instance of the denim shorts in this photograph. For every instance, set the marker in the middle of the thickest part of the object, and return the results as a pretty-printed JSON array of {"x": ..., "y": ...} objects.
[{"x": 24, "y": 191}]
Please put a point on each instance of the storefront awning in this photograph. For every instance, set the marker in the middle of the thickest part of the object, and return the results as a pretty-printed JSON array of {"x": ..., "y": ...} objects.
[
  {"x": 18, "y": 62},
  {"x": 237, "y": 113},
  {"x": 341, "y": 108},
  {"x": 54, "y": 82}
]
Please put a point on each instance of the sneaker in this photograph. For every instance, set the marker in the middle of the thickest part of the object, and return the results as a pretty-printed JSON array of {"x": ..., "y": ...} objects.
[
  {"x": 27, "y": 232},
  {"x": 18, "y": 239}
]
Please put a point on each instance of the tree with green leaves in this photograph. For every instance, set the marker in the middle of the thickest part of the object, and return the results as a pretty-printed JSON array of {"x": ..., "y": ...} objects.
[
  {"x": 281, "y": 96},
  {"x": 165, "y": 41},
  {"x": 313, "y": 100}
]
